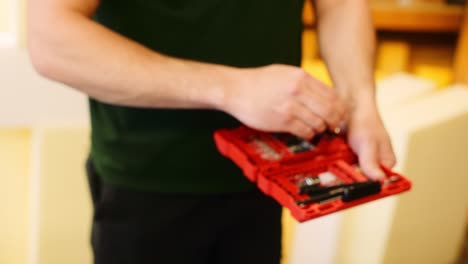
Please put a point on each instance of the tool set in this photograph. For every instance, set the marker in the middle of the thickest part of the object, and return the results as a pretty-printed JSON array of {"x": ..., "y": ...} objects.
[{"x": 310, "y": 178}]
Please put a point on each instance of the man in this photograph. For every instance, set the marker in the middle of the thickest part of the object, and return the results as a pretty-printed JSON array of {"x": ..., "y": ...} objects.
[{"x": 162, "y": 75}]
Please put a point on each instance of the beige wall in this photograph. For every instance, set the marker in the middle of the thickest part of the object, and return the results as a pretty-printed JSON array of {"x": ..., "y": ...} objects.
[
  {"x": 426, "y": 224},
  {"x": 64, "y": 203},
  {"x": 15, "y": 168},
  {"x": 22, "y": 23},
  {"x": 19, "y": 24},
  {"x": 430, "y": 221},
  {"x": 4, "y": 15}
]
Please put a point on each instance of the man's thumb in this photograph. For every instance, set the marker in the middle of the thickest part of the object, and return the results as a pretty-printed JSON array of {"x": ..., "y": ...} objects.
[{"x": 368, "y": 161}]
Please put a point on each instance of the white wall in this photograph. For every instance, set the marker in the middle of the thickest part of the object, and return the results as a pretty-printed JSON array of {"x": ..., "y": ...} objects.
[
  {"x": 40, "y": 122},
  {"x": 26, "y": 98}
]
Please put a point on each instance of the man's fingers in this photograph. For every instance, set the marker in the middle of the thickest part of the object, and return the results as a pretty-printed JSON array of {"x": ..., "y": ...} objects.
[
  {"x": 386, "y": 155},
  {"x": 323, "y": 89},
  {"x": 324, "y": 101},
  {"x": 368, "y": 161},
  {"x": 331, "y": 111},
  {"x": 309, "y": 118},
  {"x": 300, "y": 129}
]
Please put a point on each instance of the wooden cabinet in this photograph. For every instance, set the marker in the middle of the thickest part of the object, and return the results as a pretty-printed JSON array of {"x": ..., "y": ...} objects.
[{"x": 419, "y": 16}]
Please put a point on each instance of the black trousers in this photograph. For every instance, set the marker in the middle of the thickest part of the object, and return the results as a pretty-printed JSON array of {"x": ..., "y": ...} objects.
[{"x": 142, "y": 227}]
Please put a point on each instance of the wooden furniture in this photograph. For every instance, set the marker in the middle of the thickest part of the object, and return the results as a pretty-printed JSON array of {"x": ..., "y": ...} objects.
[
  {"x": 432, "y": 16},
  {"x": 461, "y": 53},
  {"x": 420, "y": 16}
]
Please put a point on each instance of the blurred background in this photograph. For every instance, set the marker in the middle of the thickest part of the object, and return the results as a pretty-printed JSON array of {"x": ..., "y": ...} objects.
[{"x": 422, "y": 91}]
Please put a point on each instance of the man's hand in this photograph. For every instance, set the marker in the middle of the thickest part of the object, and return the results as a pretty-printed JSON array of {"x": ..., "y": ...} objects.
[
  {"x": 347, "y": 42},
  {"x": 369, "y": 140},
  {"x": 284, "y": 98}
]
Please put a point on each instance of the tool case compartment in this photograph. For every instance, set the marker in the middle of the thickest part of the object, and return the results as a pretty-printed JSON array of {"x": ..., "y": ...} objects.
[{"x": 278, "y": 168}]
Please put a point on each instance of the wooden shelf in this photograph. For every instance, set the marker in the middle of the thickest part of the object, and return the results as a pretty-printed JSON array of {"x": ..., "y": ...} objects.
[
  {"x": 418, "y": 16},
  {"x": 431, "y": 17}
]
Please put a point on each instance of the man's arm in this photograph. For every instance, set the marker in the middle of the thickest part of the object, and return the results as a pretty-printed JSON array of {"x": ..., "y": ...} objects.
[
  {"x": 347, "y": 44},
  {"x": 66, "y": 45}
]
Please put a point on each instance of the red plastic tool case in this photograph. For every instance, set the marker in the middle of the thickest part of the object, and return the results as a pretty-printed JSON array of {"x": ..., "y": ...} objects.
[{"x": 278, "y": 174}]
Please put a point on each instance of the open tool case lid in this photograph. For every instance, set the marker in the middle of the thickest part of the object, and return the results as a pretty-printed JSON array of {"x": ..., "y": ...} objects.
[{"x": 278, "y": 167}]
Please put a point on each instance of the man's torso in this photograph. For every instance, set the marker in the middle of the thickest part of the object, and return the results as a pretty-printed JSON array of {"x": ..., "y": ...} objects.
[{"x": 173, "y": 150}]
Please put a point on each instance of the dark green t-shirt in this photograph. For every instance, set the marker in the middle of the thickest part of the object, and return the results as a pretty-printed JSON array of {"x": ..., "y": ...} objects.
[{"x": 173, "y": 150}]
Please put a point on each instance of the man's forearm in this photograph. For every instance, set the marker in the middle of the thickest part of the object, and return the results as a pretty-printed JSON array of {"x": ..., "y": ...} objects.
[
  {"x": 73, "y": 49},
  {"x": 347, "y": 44}
]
